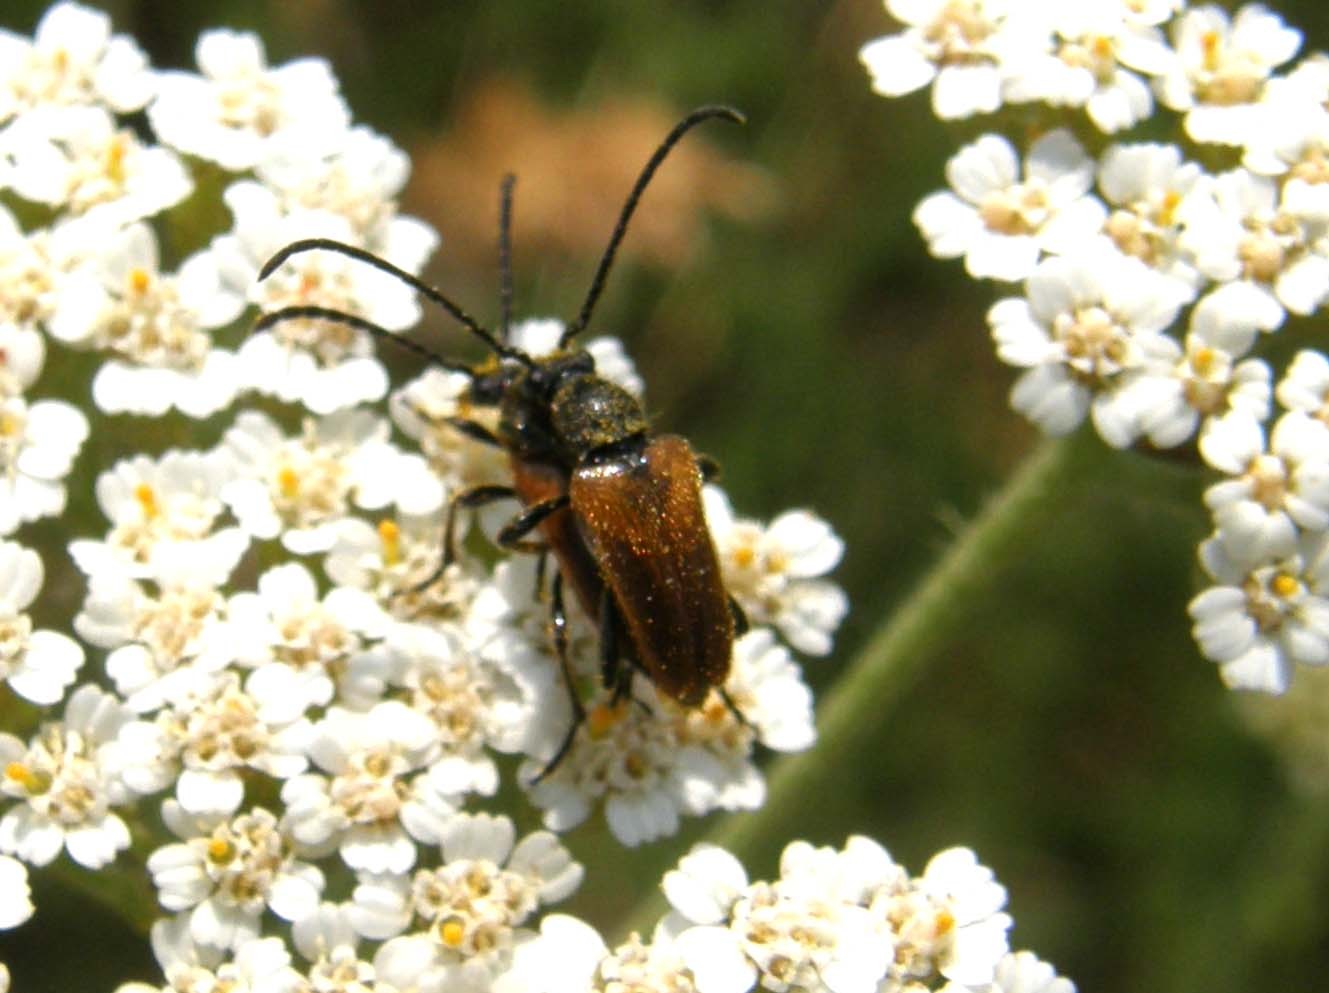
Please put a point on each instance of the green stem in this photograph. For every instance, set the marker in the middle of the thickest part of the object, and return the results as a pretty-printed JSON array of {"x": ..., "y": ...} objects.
[{"x": 851, "y": 714}]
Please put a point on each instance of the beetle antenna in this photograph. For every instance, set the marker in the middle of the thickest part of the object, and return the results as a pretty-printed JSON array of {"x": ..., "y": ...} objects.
[
  {"x": 630, "y": 205},
  {"x": 351, "y": 320},
  {"x": 505, "y": 255},
  {"x": 383, "y": 265}
]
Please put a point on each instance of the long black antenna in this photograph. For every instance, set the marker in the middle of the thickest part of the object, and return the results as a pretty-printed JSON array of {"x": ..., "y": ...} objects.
[
  {"x": 630, "y": 205},
  {"x": 351, "y": 320},
  {"x": 505, "y": 255},
  {"x": 383, "y": 265}
]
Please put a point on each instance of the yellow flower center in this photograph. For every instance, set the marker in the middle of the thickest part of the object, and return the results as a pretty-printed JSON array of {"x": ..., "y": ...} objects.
[
  {"x": 147, "y": 500},
  {"x": 1285, "y": 585},
  {"x": 115, "y": 159},
  {"x": 452, "y": 933},
  {"x": 32, "y": 781},
  {"x": 389, "y": 538},
  {"x": 288, "y": 482}
]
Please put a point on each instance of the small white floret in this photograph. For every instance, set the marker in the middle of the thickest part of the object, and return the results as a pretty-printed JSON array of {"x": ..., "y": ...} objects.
[
  {"x": 37, "y": 665},
  {"x": 65, "y": 783},
  {"x": 78, "y": 159},
  {"x": 1220, "y": 68},
  {"x": 38, "y": 444},
  {"x": 1003, "y": 222},
  {"x": 238, "y": 110},
  {"x": 966, "y": 50},
  {"x": 15, "y": 895},
  {"x": 71, "y": 60}
]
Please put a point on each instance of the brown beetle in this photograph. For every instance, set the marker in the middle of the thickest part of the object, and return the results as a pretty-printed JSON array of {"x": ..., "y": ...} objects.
[{"x": 619, "y": 509}]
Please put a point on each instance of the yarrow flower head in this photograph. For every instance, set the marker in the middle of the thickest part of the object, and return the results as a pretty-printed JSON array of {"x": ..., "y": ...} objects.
[
  {"x": 79, "y": 160},
  {"x": 1002, "y": 223},
  {"x": 649, "y": 768},
  {"x": 966, "y": 50},
  {"x": 1265, "y": 613},
  {"x": 161, "y": 633},
  {"x": 226, "y": 871},
  {"x": 155, "y": 326},
  {"x": 38, "y": 444},
  {"x": 841, "y": 921},
  {"x": 325, "y": 365},
  {"x": 1094, "y": 61},
  {"x": 206, "y": 741},
  {"x": 302, "y": 488},
  {"x": 1146, "y": 186},
  {"x": 316, "y": 657},
  {"x": 1220, "y": 68},
  {"x": 468, "y": 913},
  {"x": 1152, "y": 283},
  {"x": 1086, "y": 328},
  {"x": 378, "y": 798},
  {"x": 65, "y": 782},
  {"x": 237, "y": 111},
  {"x": 260, "y": 965},
  {"x": 773, "y": 572},
  {"x": 72, "y": 60},
  {"x": 37, "y": 665},
  {"x": 1204, "y": 378}
]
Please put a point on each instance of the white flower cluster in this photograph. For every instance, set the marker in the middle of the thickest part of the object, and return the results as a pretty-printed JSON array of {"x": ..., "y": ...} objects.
[
  {"x": 848, "y": 921},
  {"x": 1149, "y": 279},
  {"x": 314, "y": 707}
]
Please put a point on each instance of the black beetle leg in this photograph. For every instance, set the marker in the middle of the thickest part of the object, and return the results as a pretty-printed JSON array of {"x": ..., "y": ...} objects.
[
  {"x": 733, "y": 709},
  {"x": 476, "y": 497},
  {"x": 740, "y": 617},
  {"x": 559, "y": 621},
  {"x": 474, "y": 430},
  {"x": 513, "y": 533},
  {"x": 541, "y": 569},
  {"x": 615, "y": 673}
]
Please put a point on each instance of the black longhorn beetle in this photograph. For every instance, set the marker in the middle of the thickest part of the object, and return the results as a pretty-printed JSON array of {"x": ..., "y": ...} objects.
[{"x": 619, "y": 508}]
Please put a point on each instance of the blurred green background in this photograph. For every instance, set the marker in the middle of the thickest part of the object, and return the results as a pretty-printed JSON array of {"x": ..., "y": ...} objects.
[{"x": 787, "y": 318}]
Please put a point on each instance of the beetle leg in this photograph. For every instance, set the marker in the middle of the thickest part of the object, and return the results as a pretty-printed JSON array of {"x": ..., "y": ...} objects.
[
  {"x": 615, "y": 671},
  {"x": 474, "y": 430},
  {"x": 511, "y": 535},
  {"x": 531, "y": 518},
  {"x": 476, "y": 497},
  {"x": 541, "y": 565},
  {"x": 558, "y": 619},
  {"x": 733, "y": 709},
  {"x": 740, "y": 617},
  {"x": 464, "y": 425}
]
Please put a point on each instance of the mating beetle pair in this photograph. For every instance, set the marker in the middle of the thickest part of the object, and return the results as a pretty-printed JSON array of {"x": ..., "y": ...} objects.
[{"x": 620, "y": 509}]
